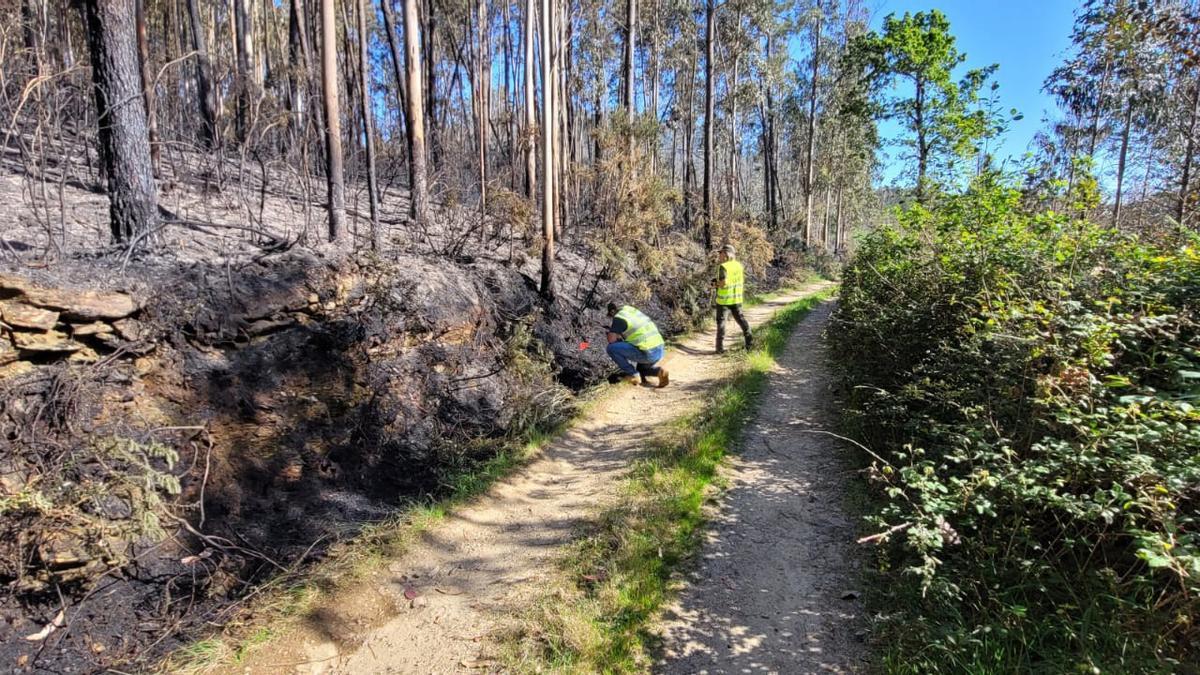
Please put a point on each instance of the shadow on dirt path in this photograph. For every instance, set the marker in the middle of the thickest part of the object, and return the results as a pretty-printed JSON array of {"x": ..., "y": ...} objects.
[
  {"x": 436, "y": 606},
  {"x": 775, "y": 590}
]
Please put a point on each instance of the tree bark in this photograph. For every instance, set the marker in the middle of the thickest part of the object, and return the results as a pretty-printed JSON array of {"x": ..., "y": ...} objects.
[
  {"x": 1185, "y": 181},
  {"x": 628, "y": 90},
  {"x": 204, "y": 89},
  {"x": 124, "y": 141},
  {"x": 482, "y": 89},
  {"x": 810, "y": 152},
  {"x": 733, "y": 135},
  {"x": 709, "y": 109},
  {"x": 368, "y": 115},
  {"x": 335, "y": 178},
  {"x": 429, "y": 34},
  {"x": 242, "y": 31},
  {"x": 143, "y": 42},
  {"x": 1121, "y": 162},
  {"x": 418, "y": 178},
  {"x": 389, "y": 26},
  {"x": 548, "y": 177},
  {"x": 529, "y": 143}
]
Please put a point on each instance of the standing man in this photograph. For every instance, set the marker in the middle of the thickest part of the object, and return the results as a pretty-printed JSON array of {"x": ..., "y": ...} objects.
[
  {"x": 731, "y": 277},
  {"x": 635, "y": 345}
]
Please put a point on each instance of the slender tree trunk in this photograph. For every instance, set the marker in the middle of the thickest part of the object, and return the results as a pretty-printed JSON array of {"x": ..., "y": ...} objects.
[
  {"x": 548, "y": 177},
  {"x": 529, "y": 143},
  {"x": 1121, "y": 162},
  {"x": 368, "y": 114},
  {"x": 688, "y": 139},
  {"x": 431, "y": 113},
  {"x": 839, "y": 236},
  {"x": 335, "y": 178},
  {"x": 562, "y": 192},
  {"x": 482, "y": 87},
  {"x": 709, "y": 109},
  {"x": 825, "y": 217},
  {"x": 771, "y": 171},
  {"x": 1185, "y": 180},
  {"x": 143, "y": 43},
  {"x": 124, "y": 141},
  {"x": 1094, "y": 135},
  {"x": 628, "y": 92},
  {"x": 654, "y": 78},
  {"x": 810, "y": 152},
  {"x": 922, "y": 144},
  {"x": 510, "y": 109},
  {"x": 389, "y": 25},
  {"x": 242, "y": 32},
  {"x": 733, "y": 134},
  {"x": 204, "y": 90},
  {"x": 418, "y": 178}
]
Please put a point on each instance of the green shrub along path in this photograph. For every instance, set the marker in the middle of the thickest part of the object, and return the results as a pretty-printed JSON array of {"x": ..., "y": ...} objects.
[{"x": 1029, "y": 382}]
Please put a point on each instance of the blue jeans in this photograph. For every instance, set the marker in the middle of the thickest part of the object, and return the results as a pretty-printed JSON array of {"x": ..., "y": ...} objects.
[{"x": 625, "y": 355}]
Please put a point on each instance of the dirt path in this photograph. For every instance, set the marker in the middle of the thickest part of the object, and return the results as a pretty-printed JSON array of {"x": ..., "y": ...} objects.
[
  {"x": 776, "y": 588},
  {"x": 468, "y": 573}
]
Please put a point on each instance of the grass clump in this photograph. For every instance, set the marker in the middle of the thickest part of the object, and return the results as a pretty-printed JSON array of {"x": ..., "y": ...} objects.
[
  {"x": 1028, "y": 380},
  {"x": 619, "y": 576}
]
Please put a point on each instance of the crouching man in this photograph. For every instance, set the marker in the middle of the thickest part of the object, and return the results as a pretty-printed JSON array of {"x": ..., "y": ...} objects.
[{"x": 635, "y": 345}]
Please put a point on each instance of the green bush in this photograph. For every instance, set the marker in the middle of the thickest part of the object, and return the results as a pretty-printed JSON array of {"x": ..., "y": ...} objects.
[{"x": 1027, "y": 381}]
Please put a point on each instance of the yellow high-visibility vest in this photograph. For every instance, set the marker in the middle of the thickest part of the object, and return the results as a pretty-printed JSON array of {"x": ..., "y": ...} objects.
[
  {"x": 735, "y": 277},
  {"x": 640, "y": 331}
]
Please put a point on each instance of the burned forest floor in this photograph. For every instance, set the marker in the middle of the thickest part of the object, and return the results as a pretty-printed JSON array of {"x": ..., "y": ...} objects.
[{"x": 187, "y": 423}]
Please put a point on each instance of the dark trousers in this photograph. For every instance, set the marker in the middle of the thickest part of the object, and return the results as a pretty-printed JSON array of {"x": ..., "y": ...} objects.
[{"x": 736, "y": 311}]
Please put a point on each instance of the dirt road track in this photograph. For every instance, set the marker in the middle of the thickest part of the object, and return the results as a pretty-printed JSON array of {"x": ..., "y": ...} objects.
[{"x": 776, "y": 588}]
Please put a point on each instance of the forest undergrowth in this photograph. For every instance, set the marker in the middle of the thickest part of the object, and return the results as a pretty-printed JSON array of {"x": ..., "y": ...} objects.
[{"x": 1024, "y": 382}]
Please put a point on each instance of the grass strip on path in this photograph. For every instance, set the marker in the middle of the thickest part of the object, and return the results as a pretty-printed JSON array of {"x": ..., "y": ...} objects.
[{"x": 619, "y": 576}]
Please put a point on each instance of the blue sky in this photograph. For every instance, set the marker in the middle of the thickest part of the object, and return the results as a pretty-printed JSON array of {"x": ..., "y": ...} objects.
[{"x": 1028, "y": 38}]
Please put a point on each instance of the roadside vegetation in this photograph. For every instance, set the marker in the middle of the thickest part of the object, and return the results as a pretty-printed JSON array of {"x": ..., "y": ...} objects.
[
  {"x": 619, "y": 576},
  {"x": 1026, "y": 381}
]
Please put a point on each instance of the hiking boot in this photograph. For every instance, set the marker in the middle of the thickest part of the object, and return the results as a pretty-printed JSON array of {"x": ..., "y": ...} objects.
[{"x": 663, "y": 378}]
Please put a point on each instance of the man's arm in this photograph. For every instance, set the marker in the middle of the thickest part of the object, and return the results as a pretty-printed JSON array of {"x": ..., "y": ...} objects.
[
  {"x": 719, "y": 282},
  {"x": 615, "y": 330}
]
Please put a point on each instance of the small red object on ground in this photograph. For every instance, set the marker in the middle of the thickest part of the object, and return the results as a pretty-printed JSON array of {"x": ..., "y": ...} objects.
[{"x": 583, "y": 345}]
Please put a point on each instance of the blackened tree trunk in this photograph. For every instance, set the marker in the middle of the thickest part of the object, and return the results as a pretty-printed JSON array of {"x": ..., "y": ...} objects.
[
  {"x": 368, "y": 116},
  {"x": 124, "y": 141},
  {"x": 548, "y": 177},
  {"x": 334, "y": 175},
  {"x": 204, "y": 90},
  {"x": 242, "y": 31}
]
